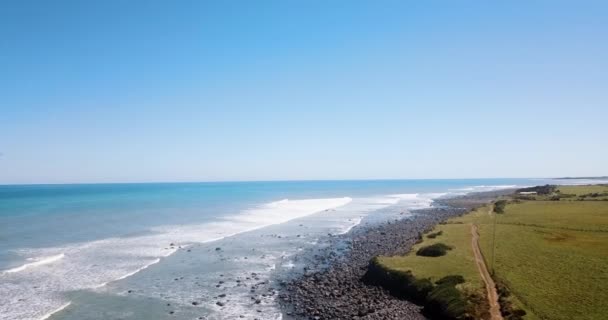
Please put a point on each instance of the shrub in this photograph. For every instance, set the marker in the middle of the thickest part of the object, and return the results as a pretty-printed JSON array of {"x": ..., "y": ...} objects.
[
  {"x": 434, "y": 250},
  {"x": 451, "y": 280},
  {"x": 434, "y": 234},
  {"x": 421, "y": 287},
  {"x": 447, "y": 301},
  {"x": 567, "y": 195},
  {"x": 499, "y": 206},
  {"x": 477, "y": 304},
  {"x": 400, "y": 283},
  {"x": 507, "y": 309},
  {"x": 441, "y": 300},
  {"x": 594, "y": 195},
  {"x": 517, "y": 314}
]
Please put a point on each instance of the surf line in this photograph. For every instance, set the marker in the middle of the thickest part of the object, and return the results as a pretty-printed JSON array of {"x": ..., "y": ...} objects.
[
  {"x": 40, "y": 262},
  {"x": 48, "y": 315}
]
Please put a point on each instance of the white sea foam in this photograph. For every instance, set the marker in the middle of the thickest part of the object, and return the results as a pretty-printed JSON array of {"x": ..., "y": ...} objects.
[
  {"x": 285, "y": 210},
  {"x": 269, "y": 214},
  {"x": 394, "y": 198},
  {"x": 355, "y": 222},
  {"x": 484, "y": 188},
  {"x": 95, "y": 264},
  {"x": 423, "y": 199},
  {"x": 48, "y": 315},
  {"x": 348, "y": 217},
  {"x": 36, "y": 262},
  {"x": 138, "y": 270}
]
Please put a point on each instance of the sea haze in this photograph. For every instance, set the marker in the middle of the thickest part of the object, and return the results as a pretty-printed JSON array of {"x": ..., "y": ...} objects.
[{"x": 139, "y": 251}]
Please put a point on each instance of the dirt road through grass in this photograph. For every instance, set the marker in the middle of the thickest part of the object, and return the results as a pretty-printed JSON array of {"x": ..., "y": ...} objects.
[{"x": 485, "y": 275}]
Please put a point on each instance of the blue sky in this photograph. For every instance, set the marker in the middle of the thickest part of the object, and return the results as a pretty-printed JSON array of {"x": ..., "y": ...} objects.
[{"x": 112, "y": 91}]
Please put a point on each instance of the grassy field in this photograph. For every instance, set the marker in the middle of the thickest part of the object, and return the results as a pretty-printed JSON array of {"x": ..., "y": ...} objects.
[
  {"x": 457, "y": 261},
  {"x": 460, "y": 259},
  {"x": 552, "y": 255},
  {"x": 575, "y": 193},
  {"x": 582, "y": 190}
]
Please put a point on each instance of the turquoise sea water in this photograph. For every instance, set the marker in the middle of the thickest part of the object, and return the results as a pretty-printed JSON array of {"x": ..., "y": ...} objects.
[{"x": 79, "y": 246}]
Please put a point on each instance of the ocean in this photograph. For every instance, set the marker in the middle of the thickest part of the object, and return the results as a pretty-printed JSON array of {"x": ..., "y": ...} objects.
[{"x": 169, "y": 250}]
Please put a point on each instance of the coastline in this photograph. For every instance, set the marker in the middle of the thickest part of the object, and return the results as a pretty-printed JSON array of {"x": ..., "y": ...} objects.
[
  {"x": 334, "y": 246},
  {"x": 332, "y": 286}
]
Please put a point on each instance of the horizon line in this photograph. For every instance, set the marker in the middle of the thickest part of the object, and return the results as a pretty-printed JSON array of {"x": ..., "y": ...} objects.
[{"x": 284, "y": 180}]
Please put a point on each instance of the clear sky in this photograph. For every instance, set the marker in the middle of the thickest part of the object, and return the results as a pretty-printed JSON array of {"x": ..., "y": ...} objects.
[{"x": 112, "y": 91}]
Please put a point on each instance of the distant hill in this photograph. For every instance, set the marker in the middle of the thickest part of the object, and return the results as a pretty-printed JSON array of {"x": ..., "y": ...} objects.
[{"x": 587, "y": 178}]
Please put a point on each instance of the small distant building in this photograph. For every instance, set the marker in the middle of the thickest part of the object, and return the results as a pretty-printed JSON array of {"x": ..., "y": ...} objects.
[{"x": 527, "y": 192}]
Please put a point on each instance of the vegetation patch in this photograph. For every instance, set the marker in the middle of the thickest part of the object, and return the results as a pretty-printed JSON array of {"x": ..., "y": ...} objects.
[
  {"x": 441, "y": 300},
  {"x": 400, "y": 282},
  {"x": 434, "y": 235},
  {"x": 593, "y": 195},
  {"x": 499, "y": 206},
  {"x": 524, "y": 197},
  {"x": 434, "y": 250},
  {"x": 451, "y": 280},
  {"x": 445, "y": 299},
  {"x": 507, "y": 308},
  {"x": 449, "y": 286}
]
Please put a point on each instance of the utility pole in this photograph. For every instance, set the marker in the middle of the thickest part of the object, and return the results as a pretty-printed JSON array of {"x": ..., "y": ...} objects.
[{"x": 494, "y": 241}]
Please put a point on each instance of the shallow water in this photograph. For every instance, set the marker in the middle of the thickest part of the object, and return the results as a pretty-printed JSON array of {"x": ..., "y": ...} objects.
[{"x": 141, "y": 251}]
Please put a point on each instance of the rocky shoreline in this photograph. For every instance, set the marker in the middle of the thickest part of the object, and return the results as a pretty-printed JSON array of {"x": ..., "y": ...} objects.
[{"x": 332, "y": 286}]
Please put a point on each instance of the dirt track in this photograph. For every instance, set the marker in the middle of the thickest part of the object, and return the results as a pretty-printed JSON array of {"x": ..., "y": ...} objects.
[{"x": 485, "y": 275}]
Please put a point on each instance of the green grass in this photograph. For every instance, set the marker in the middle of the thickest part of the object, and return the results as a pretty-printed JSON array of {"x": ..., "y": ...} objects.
[
  {"x": 571, "y": 215},
  {"x": 553, "y": 256},
  {"x": 556, "y": 274},
  {"x": 574, "y": 193},
  {"x": 458, "y": 261},
  {"x": 580, "y": 190},
  {"x": 464, "y": 298}
]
